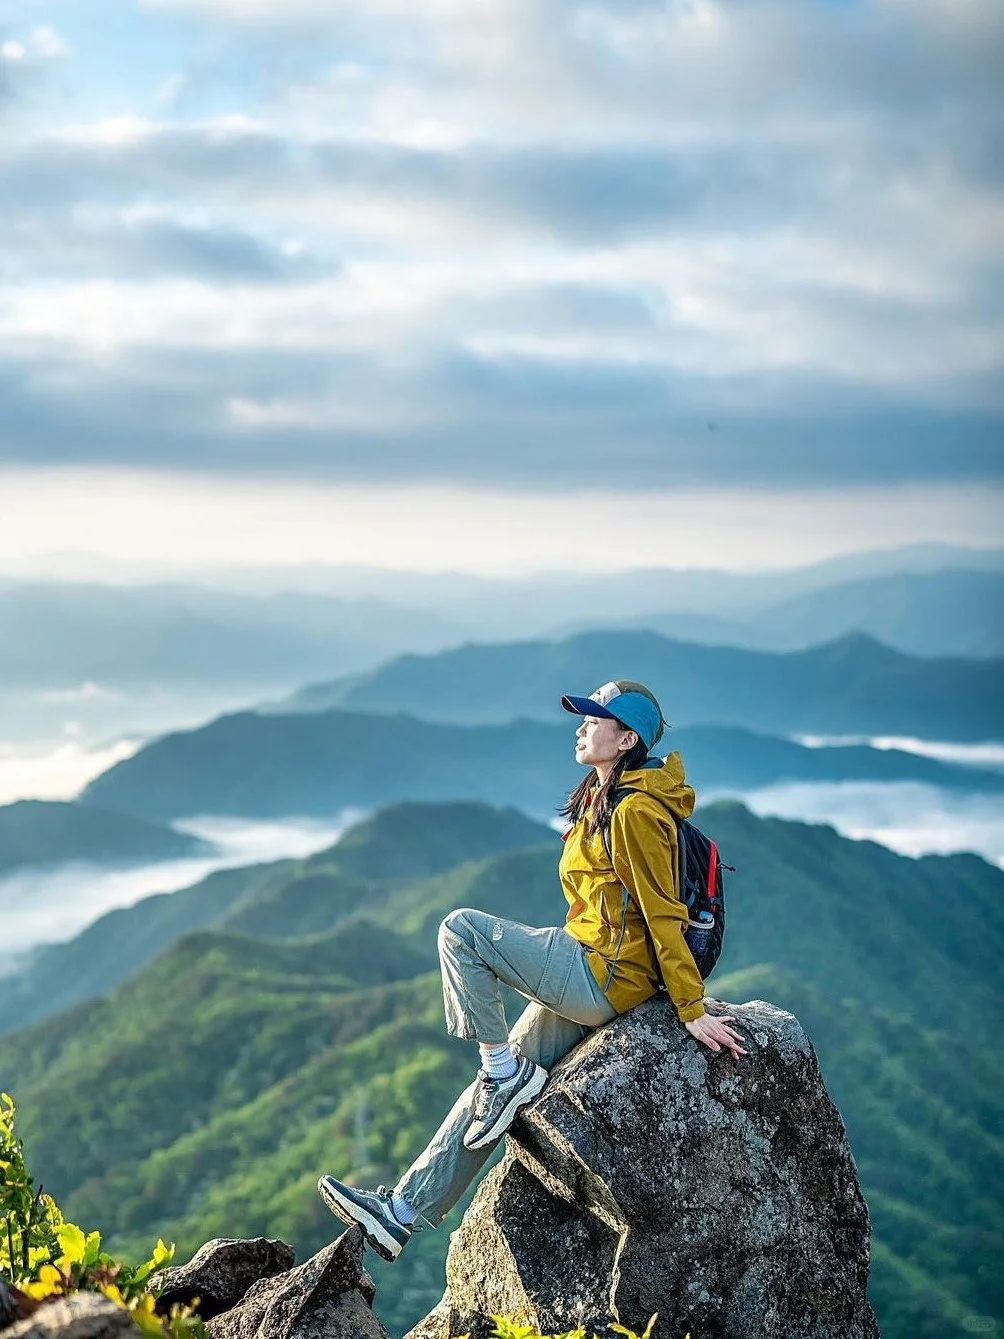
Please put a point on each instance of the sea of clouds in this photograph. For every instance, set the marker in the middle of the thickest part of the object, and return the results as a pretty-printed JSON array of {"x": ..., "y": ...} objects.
[
  {"x": 989, "y": 756},
  {"x": 909, "y": 817},
  {"x": 46, "y": 905}
]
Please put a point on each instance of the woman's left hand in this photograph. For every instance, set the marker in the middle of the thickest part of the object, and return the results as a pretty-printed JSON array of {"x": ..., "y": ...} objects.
[{"x": 712, "y": 1032}]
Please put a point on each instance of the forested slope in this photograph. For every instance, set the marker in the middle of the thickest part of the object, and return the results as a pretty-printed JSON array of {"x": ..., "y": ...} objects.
[{"x": 204, "y": 1095}]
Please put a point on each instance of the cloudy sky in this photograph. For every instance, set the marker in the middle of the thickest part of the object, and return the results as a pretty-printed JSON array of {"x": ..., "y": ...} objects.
[{"x": 484, "y": 283}]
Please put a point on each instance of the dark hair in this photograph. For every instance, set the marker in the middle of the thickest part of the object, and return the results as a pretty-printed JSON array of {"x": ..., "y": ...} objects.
[{"x": 600, "y": 807}]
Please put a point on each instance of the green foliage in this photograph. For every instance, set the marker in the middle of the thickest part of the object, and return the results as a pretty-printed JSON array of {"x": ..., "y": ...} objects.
[
  {"x": 45, "y": 1257},
  {"x": 508, "y": 1328},
  {"x": 29, "y": 1219}
]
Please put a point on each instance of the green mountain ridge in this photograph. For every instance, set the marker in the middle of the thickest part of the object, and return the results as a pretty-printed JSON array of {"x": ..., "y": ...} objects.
[
  {"x": 255, "y": 765},
  {"x": 284, "y": 898},
  {"x": 49, "y": 832},
  {"x": 204, "y": 1095},
  {"x": 854, "y": 685}
]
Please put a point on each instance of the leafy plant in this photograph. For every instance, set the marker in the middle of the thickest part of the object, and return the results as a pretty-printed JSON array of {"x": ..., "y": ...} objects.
[
  {"x": 506, "y": 1328},
  {"x": 29, "y": 1219},
  {"x": 45, "y": 1257}
]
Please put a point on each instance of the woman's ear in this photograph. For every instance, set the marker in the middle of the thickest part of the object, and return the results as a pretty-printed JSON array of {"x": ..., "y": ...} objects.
[{"x": 628, "y": 742}]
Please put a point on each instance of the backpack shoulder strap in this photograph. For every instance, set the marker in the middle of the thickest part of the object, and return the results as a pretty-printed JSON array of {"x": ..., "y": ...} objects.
[{"x": 619, "y": 795}]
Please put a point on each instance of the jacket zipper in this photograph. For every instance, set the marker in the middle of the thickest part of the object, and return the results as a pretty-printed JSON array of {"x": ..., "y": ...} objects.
[{"x": 617, "y": 950}]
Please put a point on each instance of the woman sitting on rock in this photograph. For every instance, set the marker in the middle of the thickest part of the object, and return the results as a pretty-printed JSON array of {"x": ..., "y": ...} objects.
[{"x": 612, "y": 953}]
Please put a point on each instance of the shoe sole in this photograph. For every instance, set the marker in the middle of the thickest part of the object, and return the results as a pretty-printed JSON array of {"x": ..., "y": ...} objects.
[
  {"x": 518, "y": 1100},
  {"x": 356, "y": 1216}
]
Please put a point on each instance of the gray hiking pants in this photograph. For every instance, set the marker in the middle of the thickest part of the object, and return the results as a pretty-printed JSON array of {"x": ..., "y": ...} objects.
[{"x": 549, "y": 967}]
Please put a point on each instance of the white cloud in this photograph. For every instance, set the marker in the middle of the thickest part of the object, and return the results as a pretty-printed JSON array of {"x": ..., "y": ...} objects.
[
  {"x": 44, "y": 906},
  {"x": 40, "y": 44},
  {"x": 58, "y": 773},
  {"x": 908, "y": 817},
  {"x": 509, "y": 224}
]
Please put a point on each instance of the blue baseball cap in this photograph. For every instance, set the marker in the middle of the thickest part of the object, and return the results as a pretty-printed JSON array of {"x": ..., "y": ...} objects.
[{"x": 626, "y": 701}]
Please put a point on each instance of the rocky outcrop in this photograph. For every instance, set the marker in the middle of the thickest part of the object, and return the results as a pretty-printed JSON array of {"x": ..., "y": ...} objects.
[
  {"x": 327, "y": 1297},
  {"x": 80, "y": 1316},
  {"x": 221, "y": 1273},
  {"x": 653, "y": 1176},
  {"x": 246, "y": 1289},
  {"x": 8, "y": 1305}
]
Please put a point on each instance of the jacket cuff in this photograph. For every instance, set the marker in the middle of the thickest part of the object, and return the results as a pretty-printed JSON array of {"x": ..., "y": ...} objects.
[{"x": 688, "y": 1012}]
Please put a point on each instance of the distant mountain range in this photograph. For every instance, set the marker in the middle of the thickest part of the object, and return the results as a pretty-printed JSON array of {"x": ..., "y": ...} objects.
[
  {"x": 930, "y": 614},
  {"x": 854, "y": 685},
  {"x": 37, "y": 832},
  {"x": 63, "y": 635},
  {"x": 506, "y": 607},
  {"x": 291, "y": 625},
  {"x": 254, "y": 765},
  {"x": 204, "y": 1095}
]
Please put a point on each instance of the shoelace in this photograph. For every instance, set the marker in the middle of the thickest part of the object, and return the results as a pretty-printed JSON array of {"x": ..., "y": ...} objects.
[{"x": 487, "y": 1083}]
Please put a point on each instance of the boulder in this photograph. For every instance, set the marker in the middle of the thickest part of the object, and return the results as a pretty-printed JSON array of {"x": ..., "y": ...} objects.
[
  {"x": 654, "y": 1176},
  {"x": 8, "y": 1305},
  {"x": 80, "y": 1316},
  {"x": 221, "y": 1272},
  {"x": 327, "y": 1297}
]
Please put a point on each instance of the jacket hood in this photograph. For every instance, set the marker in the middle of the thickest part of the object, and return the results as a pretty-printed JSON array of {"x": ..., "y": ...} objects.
[{"x": 664, "y": 779}]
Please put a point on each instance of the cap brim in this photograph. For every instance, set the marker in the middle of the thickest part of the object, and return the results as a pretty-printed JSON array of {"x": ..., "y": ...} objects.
[{"x": 586, "y": 706}]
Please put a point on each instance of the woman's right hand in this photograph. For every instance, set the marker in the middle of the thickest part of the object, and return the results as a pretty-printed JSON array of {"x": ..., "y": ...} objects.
[{"x": 711, "y": 1031}]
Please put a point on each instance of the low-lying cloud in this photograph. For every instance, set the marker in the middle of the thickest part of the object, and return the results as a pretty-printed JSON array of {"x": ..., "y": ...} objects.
[
  {"x": 908, "y": 817},
  {"x": 49, "y": 905}
]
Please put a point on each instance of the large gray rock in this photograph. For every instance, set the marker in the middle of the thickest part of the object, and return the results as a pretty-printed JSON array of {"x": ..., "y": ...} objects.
[
  {"x": 8, "y": 1306},
  {"x": 80, "y": 1316},
  {"x": 653, "y": 1176},
  {"x": 221, "y": 1272},
  {"x": 327, "y": 1297}
]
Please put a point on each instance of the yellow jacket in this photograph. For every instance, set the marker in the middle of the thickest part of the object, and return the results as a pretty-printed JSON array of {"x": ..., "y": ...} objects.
[{"x": 627, "y": 962}]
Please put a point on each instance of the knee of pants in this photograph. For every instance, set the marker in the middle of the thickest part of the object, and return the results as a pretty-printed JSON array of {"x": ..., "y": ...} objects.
[{"x": 455, "y": 923}]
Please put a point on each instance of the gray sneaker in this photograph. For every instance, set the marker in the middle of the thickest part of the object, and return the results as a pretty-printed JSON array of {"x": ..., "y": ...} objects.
[
  {"x": 372, "y": 1210},
  {"x": 498, "y": 1100}
]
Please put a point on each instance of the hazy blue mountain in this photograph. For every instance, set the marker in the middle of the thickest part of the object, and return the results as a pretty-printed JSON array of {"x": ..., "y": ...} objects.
[
  {"x": 276, "y": 626},
  {"x": 284, "y": 898},
  {"x": 930, "y": 614},
  {"x": 55, "y": 634},
  {"x": 851, "y": 686},
  {"x": 503, "y": 608},
  {"x": 936, "y": 614},
  {"x": 45, "y": 832},
  {"x": 328, "y": 1053},
  {"x": 254, "y": 765}
]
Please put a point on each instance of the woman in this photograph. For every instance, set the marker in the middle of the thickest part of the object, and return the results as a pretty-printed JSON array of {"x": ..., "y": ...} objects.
[{"x": 613, "y": 952}]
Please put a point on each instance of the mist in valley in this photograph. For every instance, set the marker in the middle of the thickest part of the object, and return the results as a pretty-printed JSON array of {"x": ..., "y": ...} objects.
[{"x": 41, "y": 906}]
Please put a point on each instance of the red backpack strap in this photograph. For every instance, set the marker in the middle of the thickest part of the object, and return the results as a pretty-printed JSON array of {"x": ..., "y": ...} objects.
[{"x": 712, "y": 872}]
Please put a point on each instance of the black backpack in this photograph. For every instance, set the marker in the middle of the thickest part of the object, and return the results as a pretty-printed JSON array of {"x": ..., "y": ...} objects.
[{"x": 701, "y": 886}]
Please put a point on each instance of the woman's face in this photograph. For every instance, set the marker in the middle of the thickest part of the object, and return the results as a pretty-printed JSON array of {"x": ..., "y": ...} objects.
[{"x": 600, "y": 741}]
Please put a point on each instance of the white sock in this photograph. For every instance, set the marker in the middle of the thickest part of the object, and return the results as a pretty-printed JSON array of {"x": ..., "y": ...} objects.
[
  {"x": 403, "y": 1211},
  {"x": 499, "y": 1061}
]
